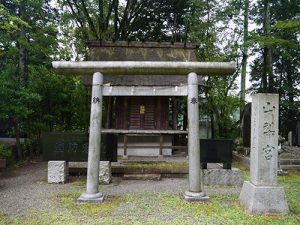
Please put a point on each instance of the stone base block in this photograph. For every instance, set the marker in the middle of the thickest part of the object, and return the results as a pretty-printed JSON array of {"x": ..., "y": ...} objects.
[
  {"x": 222, "y": 176},
  {"x": 154, "y": 176},
  {"x": 263, "y": 199},
  {"x": 97, "y": 198},
  {"x": 57, "y": 172},
  {"x": 195, "y": 196},
  {"x": 105, "y": 172}
]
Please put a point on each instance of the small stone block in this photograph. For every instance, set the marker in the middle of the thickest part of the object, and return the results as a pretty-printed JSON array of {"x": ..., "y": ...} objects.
[
  {"x": 195, "y": 196},
  {"x": 263, "y": 199},
  {"x": 142, "y": 177},
  {"x": 222, "y": 176},
  {"x": 97, "y": 198},
  {"x": 105, "y": 172},
  {"x": 57, "y": 172}
]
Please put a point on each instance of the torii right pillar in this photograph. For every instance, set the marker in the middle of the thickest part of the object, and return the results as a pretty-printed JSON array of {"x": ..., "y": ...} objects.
[
  {"x": 262, "y": 194},
  {"x": 195, "y": 192}
]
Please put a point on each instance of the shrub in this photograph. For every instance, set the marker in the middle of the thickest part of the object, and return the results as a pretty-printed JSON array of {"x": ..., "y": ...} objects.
[{"x": 6, "y": 153}]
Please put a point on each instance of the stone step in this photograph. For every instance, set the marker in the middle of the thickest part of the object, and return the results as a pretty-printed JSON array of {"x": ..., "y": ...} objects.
[
  {"x": 290, "y": 167},
  {"x": 142, "y": 177}
]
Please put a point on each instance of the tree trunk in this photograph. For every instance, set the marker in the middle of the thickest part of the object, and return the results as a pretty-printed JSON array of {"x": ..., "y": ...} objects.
[
  {"x": 212, "y": 125},
  {"x": 268, "y": 67},
  {"x": 245, "y": 57},
  {"x": 175, "y": 113},
  {"x": 23, "y": 69},
  {"x": 18, "y": 142},
  {"x": 174, "y": 119}
]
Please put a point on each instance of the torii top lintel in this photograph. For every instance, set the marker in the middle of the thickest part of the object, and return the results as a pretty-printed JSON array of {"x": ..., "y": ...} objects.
[{"x": 144, "y": 67}]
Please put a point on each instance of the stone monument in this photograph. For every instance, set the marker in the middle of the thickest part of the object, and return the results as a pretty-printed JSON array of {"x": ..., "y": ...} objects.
[{"x": 262, "y": 195}]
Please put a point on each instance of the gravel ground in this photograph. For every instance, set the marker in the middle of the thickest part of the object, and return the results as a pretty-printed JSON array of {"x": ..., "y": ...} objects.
[{"x": 26, "y": 188}]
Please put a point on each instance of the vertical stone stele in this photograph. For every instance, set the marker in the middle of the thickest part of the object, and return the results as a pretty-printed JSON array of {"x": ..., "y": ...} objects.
[
  {"x": 262, "y": 194},
  {"x": 92, "y": 193}
]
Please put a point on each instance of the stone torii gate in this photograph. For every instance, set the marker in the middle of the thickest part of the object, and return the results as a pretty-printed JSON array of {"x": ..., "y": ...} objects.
[{"x": 98, "y": 69}]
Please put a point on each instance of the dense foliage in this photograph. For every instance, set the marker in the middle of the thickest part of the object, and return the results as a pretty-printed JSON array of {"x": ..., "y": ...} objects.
[{"x": 33, "y": 33}]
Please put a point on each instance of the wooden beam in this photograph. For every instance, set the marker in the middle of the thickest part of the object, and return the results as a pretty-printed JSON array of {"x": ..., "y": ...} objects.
[
  {"x": 144, "y": 90},
  {"x": 158, "y": 132}
]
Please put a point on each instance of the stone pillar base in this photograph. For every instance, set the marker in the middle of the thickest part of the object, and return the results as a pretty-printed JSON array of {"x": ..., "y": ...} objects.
[
  {"x": 195, "y": 196},
  {"x": 263, "y": 199},
  {"x": 97, "y": 198},
  {"x": 58, "y": 172}
]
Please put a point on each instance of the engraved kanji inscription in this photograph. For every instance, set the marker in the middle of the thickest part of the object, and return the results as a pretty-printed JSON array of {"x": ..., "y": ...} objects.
[
  {"x": 193, "y": 100},
  {"x": 268, "y": 152},
  {"x": 96, "y": 100},
  {"x": 268, "y": 108},
  {"x": 269, "y": 128}
]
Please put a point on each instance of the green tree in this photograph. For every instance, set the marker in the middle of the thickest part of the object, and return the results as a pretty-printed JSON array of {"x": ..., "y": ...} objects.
[
  {"x": 245, "y": 55},
  {"x": 218, "y": 40},
  {"x": 283, "y": 38}
]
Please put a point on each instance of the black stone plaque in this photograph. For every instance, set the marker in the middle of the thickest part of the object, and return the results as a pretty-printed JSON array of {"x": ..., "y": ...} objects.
[
  {"x": 73, "y": 147},
  {"x": 216, "y": 151}
]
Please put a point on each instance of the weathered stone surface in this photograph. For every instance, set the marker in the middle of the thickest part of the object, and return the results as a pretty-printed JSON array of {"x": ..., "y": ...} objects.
[
  {"x": 92, "y": 193},
  {"x": 141, "y": 51},
  {"x": 264, "y": 139},
  {"x": 290, "y": 138},
  {"x": 105, "y": 172},
  {"x": 263, "y": 199},
  {"x": 222, "y": 177},
  {"x": 142, "y": 177},
  {"x": 57, "y": 171},
  {"x": 262, "y": 195},
  {"x": 96, "y": 198},
  {"x": 195, "y": 173},
  {"x": 195, "y": 196}
]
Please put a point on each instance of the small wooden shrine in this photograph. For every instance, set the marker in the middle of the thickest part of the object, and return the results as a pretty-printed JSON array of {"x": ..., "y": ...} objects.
[
  {"x": 149, "y": 84},
  {"x": 142, "y": 120}
]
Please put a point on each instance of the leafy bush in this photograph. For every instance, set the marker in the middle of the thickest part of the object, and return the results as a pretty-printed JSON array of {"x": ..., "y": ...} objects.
[{"x": 6, "y": 153}]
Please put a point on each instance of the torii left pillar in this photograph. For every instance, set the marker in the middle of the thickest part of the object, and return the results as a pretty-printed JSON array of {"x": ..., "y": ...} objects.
[{"x": 92, "y": 193}]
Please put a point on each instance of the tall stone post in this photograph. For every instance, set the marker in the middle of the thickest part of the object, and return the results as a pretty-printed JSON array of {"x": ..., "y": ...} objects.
[
  {"x": 92, "y": 193},
  {"x": 262, "y": 195},
  {"x": 195, "y": 192}
]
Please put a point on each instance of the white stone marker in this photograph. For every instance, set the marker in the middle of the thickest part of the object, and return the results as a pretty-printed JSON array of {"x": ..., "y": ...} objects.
[
  {"x": 262, "y": 195},
  {"x": 105, "y": 172},
  {"x": 92, "y": 193},
  {"x": 195, "y": 192},
  {"x": 57, "y": 172}
]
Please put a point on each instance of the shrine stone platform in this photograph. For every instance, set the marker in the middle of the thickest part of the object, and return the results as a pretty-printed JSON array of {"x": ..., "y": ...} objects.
[{"x": 167, "y": 167}]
